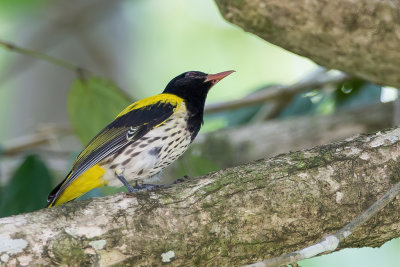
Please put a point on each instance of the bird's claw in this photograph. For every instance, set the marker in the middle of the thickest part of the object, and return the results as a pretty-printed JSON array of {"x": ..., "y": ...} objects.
[
  {"x": 148, "y": 187},
  {"x": 182, "y": 179}
]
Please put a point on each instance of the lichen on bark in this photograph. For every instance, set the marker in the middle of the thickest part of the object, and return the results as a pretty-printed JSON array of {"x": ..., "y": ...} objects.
[
  {"x": 358, "y": 37},
  {"x": 234, "y": 216}
]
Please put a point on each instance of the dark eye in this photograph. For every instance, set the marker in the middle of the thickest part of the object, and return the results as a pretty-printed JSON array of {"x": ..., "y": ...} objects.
[{"x": 190, "y": 74}]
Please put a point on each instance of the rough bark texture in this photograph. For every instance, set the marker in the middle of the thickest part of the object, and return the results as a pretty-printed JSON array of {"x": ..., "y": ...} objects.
[
  {"x": 231, "y": 217},
  {"x": 357, "y": 36}
]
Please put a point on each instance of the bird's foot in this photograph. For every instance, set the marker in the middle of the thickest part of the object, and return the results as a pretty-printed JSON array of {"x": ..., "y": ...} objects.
[
  {"x": 139, "y": 186},
  {"x": 182, "y": 179},
  {"x": 148, "y": 187},
  {"x": 128, "y": 186}
]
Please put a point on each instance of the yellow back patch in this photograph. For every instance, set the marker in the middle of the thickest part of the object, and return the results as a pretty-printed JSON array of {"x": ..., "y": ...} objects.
[
  {"x": 90, "y": 179},
  {"x": 164, "y": 98}
]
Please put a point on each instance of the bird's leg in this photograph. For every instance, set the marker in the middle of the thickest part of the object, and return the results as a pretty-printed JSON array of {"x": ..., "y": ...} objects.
[
  {"x": 138, "y": 184},
  {"x": 137, "y": 187},
  {"x": 150, "y": 186},
  {"x": 125, "y": 182}
]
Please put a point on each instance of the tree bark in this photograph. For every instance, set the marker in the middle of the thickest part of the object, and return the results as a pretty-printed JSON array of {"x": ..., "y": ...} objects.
[
  {"x": 358, "y": 37},
  {"x": 231, "y": 217}
]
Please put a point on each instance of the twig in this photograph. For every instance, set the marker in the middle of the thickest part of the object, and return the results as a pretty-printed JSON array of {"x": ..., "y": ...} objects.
[
  {"x": 274, "y": 92},
  {"x": 331, "y": 242},
  {"x": 55, "y": 29},
  {"x": 64, "y": 64},
  {"x": 280, "y": 104},
  {"x": 278, "y": 107},
  {"x": 44, "y": 136}
]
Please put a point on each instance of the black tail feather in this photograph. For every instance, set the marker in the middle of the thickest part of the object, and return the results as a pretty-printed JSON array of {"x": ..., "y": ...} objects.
[{"x": 55, "y": 192}]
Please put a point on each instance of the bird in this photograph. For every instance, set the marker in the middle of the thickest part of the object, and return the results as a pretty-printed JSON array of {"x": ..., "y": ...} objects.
[{"x": 142, "y": 140}]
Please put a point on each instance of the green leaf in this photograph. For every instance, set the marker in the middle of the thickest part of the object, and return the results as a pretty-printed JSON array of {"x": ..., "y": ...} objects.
[
  {"x": 240, "y": 116},
  {"x": 28, "y": 188},
  {"x": 356, "y": 93},
  {"x": 92, "y": 104},
  {"x": 194, "y": 165},
  {"x": 12, "y": 8},
  {"x": 299, "y": 106}
]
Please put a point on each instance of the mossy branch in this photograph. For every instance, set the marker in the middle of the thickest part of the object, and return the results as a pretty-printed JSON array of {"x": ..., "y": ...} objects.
[
  {"x": 235, "y": 216},
  {"x": 358, "y": 37}
]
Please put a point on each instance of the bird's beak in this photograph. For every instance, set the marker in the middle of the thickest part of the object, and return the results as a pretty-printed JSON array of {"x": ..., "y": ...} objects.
[{"x": 214, "y": 78}]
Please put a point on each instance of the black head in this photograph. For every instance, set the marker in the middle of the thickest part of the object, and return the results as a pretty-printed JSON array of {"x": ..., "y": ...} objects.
[{"x": 193, "y": 86}]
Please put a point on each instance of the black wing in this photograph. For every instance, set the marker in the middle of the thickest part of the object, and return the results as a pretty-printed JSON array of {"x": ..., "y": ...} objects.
[{"x": 123, "y": 131}]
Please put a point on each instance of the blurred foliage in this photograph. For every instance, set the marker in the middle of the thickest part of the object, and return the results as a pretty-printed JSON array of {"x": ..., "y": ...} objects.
[
  {"x": 356, "y": 93},
  {"x": 182, "y": 35},
  {"x": 193, "y": 165},
  {"x": 301, "y": 105},
  {"x": 27, "y": 189},
  {"x": 347, "y": 95},
  {"x": 235, "y": 117},
  {"x": 12, "y": 7},
  {"x": 93, "y": 103}
]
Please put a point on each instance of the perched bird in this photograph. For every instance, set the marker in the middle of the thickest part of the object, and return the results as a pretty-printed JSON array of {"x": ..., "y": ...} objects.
[{"x": 143, "y": 139}]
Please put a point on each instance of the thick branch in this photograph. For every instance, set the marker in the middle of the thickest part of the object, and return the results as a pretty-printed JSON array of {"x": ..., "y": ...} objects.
[
  {"x": 331, "y": 242},
  {"x": 358, "y": 37},
  {"x": 232, "y": 217}
]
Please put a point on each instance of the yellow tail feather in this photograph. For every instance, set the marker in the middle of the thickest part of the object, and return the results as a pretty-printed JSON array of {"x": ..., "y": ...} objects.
[{"x": 90, "y": 179}]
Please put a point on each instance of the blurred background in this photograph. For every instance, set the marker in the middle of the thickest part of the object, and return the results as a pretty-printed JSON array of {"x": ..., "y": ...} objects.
[{"x": 132, "y": 49}]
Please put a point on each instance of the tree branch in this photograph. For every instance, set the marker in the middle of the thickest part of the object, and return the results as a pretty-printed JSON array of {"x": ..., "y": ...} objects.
[
  {"x": 280, "y": 91},
  {"x": 358, "y": 37},
  {"x": 44, "y": 135},
  {"x": 53, "y": 60},
  {"x": 232, "y": 217},
  {"x": 331, "y": 242}
]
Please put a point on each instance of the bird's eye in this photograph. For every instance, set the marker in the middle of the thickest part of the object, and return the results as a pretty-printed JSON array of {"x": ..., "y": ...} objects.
[{"x": 190, "y": 74}]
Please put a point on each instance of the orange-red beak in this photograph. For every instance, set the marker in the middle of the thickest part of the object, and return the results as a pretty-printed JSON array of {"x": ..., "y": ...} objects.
[{"x": 214, "y": 78}]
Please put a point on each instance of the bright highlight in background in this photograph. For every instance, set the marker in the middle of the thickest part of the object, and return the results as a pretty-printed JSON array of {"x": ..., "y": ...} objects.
[{"x": 389, "y": 94}]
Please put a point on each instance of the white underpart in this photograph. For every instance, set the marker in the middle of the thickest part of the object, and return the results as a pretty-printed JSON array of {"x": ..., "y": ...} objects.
[{"x": 146, "y": 164}]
